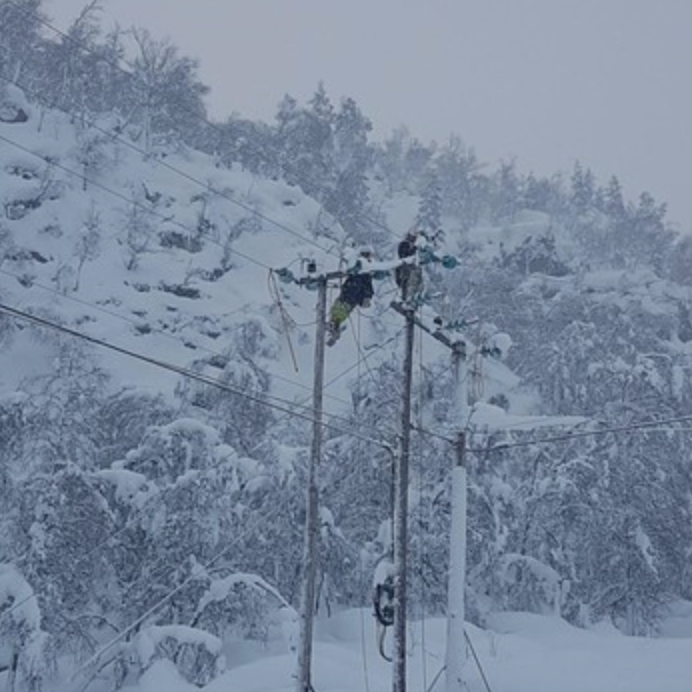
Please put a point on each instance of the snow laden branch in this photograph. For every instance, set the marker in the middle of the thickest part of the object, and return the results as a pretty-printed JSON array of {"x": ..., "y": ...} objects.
[{"x": 24, "y": 651}]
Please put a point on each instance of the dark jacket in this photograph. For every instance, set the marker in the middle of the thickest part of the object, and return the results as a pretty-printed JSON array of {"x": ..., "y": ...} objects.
[
  {"x": 357, "y": 289},
  {"x": 407, "y": 248}
]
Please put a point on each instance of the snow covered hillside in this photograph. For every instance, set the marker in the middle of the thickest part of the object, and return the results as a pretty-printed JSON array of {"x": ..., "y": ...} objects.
[
  {"x": 155, "y": 414},
  {"x": 165, "y": 254}
]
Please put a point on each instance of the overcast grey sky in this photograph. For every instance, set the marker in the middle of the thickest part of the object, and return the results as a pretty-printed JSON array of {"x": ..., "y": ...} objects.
[{"x": 606, "y": 82}]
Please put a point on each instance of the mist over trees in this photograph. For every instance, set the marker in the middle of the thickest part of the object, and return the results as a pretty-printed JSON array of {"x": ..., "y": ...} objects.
[{"x": 116, "y": 504}]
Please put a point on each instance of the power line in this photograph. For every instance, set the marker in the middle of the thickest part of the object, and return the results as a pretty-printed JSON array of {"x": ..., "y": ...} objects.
[
  {"x": 181, "y": 371},
  {"x": 584, "y": 433},
  {"x": 163, "y": 163},
  {"x": 199, "y": 571},
  {"x": 140, "y": 205},
  {"x": 158, "y": 332},
  {"x": 28, "y": 317},
  {"x": 160, "y": 215},
  {"x": 128, "y": 143},
  {"x": 114, "y": 534},
  {"x": 187, "y": 176},
  {"x": 119, "y": 195},
  {"x": 304, "y": 404},
  {"x": 50, "y": 162},
  {"x": 196, "y": 115},
  {"x": 164, "y": 217},
  {"x": 158, "y": 498}
]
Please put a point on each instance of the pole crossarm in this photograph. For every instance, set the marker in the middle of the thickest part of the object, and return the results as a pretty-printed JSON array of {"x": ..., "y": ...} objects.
[
  {"x": 312, "y": 281},
  {"x": 436, "y": 332},
  {"x": 378, "y": 270},
  {"x": 439, "y": 333}
]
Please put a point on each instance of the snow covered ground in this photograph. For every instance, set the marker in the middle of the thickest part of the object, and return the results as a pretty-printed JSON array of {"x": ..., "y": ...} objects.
[
  {"x": 518, "y": 652},
  {"x": 134, "y": 308}
]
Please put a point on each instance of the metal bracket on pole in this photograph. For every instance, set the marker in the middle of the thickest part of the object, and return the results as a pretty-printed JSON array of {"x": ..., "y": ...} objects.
[{"x": 436, "y": 333}]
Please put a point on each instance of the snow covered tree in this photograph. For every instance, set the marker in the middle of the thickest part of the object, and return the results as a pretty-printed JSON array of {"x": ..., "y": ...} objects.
[
  {"x": 238, "y": 410},
  {"x": 27, "y": 645},
  {"x": 60, "y": 527},
  {"x": 93, "y": 152},
  {"x": 583, "y": 188},
  {"x": 104, "y": 79},
  {"x": 542, "y": 194},
  {"x": 387, "y": 159},
  {"x": 536, "y": 255},
  {"x": 506, "y": 193},
  {"x": 304, "y": 139},
  {"x": 680, "y": 264},
  {"x": 243, "y": 141},
  {"x": 165, "y": 92},
  {"x": 649, "y": 242},
  {"x": 140, "y": 222},
  {"x": 429, "y": 216},
  {"x": 20, "y": 37},
  {"x": 88, "y": 243},
  {"x": 612, "y": 200},
  {"x": 122, "y": 419},
  {"x": 347, "y": 196},
  {"x": 68, "y": 60},
  {"x": 57, "y": 412},
  {"x": 461, "y": 186}
]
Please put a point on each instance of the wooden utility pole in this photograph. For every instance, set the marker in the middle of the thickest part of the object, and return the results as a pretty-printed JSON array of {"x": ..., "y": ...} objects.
[
  {"x": 455, "y": 654},
  {"x": 312, "y": 527},
  {"x": 307, "y": 614},
  {"x": 401, "y": 515}
]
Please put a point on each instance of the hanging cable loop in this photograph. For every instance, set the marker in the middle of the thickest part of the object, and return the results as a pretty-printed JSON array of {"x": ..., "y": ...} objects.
[
  {"x": 285, "y": 318},
  {"x": 383, "y": 602}
]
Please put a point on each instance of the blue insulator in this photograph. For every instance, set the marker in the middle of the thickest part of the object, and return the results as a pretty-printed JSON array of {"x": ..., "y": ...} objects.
[{"x": 426, "y": 256}]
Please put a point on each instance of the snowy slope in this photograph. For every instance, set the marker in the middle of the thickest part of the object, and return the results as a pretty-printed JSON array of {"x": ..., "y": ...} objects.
[
  {"x": 518, "y": 652},
  {"x": 169, "y": 256},
  {"x": 167, "y": 302}
]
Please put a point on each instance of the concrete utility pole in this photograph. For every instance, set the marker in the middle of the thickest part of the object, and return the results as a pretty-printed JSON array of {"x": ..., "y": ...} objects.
[
  {"x": 310, "y": 557},
  {"x": 455, "y": 654},
  {"x": 401, "y": 515}
]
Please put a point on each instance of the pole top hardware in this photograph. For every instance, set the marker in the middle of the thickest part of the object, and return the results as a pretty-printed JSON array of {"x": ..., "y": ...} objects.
[
  {"x": 491, "y": 352},
  {"x": 438, "y": 332},
  {"x": 378, "y": 271},
  {"x": 427, "y": 256}
]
